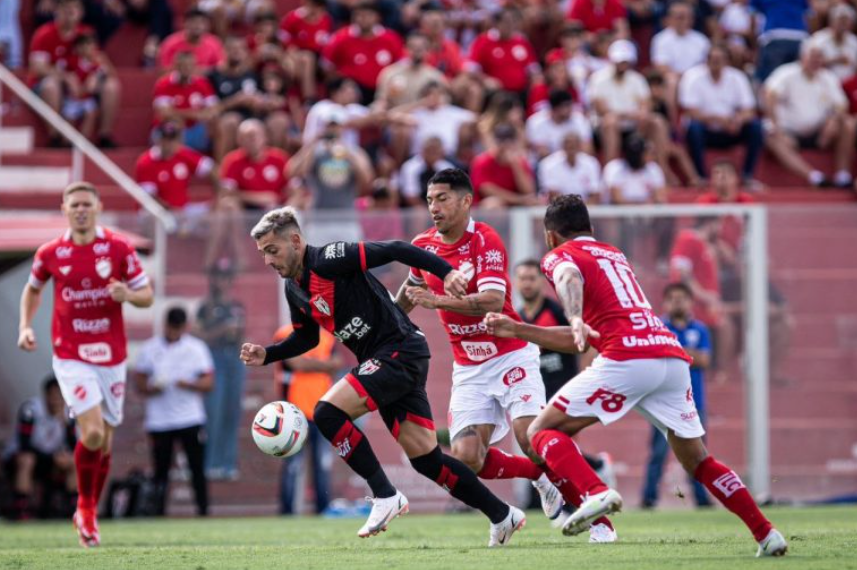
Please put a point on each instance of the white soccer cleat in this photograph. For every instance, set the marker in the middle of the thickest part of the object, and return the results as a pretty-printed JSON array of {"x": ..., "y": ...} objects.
[
  {"x": 86, "y": 526},
  {"x": 552, "y": 501},
  {"x": 594, "y": 507},
  {"x": 599, "y": 533},
  {"x": 773, "y": 545},
  {"x": 383, "y": 511},
  {"x": 501, "y": 533}
]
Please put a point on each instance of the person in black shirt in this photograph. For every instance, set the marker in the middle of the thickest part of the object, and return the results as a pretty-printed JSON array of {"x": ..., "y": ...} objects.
[
  {"x": 556, "y": 367},
  {"x": 331, "y": 287},
  {"x": 237, "y": 89}
]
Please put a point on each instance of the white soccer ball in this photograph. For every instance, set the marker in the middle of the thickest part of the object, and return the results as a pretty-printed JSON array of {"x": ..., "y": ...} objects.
[{"x": 280, "y": 429}]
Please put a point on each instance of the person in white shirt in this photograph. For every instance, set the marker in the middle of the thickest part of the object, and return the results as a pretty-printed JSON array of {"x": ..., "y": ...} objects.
[
  {"x": 570, "y": 171},
  {"x": 678, "y": 47},
  {"x": 436, "y": 117},
  {"x": 173, "y": 372},
  {"x": 635, "y": 178},
  {"x": 622, "y": 103},
  {"x": 805, "y": 107},
  {"x": 719, "y": 101},
  {"x": 342, "y": 102},
  {"x": 418, "y": 170},
  {"x": 838, "y": 43},
  {"x": 546, "y": 129}
]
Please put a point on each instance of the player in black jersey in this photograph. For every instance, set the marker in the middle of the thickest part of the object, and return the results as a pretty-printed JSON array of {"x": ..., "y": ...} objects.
[{"x": 331, "y": 287}]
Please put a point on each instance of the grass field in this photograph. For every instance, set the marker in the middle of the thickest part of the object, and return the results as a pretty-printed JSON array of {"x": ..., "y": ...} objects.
[{"x": 823, "y": 538}]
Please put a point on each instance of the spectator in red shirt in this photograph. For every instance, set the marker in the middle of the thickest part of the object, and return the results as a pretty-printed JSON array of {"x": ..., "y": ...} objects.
[
  {"x": 502, "y": 58},
  {"x": 502, "y": 177},
  {"x": 254, "y": 172},
  {"x": 188, "y": 97},
  {"x": 362, "y": 50},
  {"x": 304, "y": 32},
  {"x": 166, "y": 169},
  {"x": 194, "y": 37},
  {"x": 52, "y": 65},
  {"x": 600, "y": 15},
  {"x": 693, "y": 261},
  {"x": 264, "y": 42}
]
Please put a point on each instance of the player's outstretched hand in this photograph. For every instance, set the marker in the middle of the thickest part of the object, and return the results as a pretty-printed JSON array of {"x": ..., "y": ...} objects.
[
  {"x": 581, "y": 333},
  {"x": 421, "y": 297},
  {"x": 455, "y": 284},
  {"x": 252, "y": 354},
  {"x": 27, "y": 340},
  {"x": 118, "y": 290},
  {"x": 500, "y": 325}
]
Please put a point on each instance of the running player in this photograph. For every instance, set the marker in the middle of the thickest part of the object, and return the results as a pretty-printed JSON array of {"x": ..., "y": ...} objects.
[
  {"x": 491, "y": 376},
  {"x": 331, "y": 287},
  {"x": 641, "y": 366},
  {"x": 94, "y": 272}
]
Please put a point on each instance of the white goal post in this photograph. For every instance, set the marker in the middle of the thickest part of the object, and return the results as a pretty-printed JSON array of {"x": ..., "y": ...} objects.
[{"x": 755, "y": 295}]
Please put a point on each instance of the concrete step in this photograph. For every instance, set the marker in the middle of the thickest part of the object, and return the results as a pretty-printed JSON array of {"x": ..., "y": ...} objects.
[
  {"x": 16, "y": 179},
  {"x": 16, "y": 140}
]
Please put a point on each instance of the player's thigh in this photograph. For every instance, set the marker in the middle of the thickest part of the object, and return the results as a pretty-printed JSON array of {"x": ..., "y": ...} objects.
[
  {"x": 410, "y": 422},
  {"x": 670, "y": 406},
  {"x": 112, "y": 382},
  {"x": 80, "y": 387},
  {"x": 554, "y": 419},
  {"x": 345, "y": 397},
  {"x": 470, "y": 444},
  {"x": 476, "y": 401},
  {"x": 607, "y": 390}
]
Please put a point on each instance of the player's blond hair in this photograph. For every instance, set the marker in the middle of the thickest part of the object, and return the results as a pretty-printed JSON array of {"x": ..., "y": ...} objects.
[
  {"x": 80, "y": 187},
  {"x": 278, "y": 221}
]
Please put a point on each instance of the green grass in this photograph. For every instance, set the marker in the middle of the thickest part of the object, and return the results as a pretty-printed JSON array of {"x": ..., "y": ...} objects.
[{"x": 823, "y": 538}]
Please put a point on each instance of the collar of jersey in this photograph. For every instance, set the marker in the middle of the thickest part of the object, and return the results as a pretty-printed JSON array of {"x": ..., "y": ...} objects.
[
  {"x": 471, "y": 228},
  {"x": 585, "y": 238},
  {"x": 99, "y": 234}
]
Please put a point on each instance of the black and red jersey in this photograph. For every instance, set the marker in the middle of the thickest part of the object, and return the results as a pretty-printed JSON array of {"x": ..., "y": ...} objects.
[{"x": 337, "y": 292}]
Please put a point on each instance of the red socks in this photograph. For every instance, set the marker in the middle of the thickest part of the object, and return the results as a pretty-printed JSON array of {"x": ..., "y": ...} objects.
[
  {"x": 88, "y": 465},
  {"x": 725, "y": 484},
  {"x": 565, "y": 460},
  {"x": 103, "y": 471},
  {"x": 501, "y": 465}
]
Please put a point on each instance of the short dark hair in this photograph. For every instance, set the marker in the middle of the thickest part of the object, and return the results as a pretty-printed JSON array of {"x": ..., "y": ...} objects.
[
  {"x": 337, "y": 83},
  {"x": 559, "y": 97},
  {"x": 49, "y": 383},
  {"x": 567, "y": 215},
  {"x": 195, "y": 13},
  {"x": 457, "y": 179},
  {"x": 176, "y": 317},
  {"x": 678, "y": 286},
  {"x": 367, "y": 5},
  {"x": 529, "y": 262}
]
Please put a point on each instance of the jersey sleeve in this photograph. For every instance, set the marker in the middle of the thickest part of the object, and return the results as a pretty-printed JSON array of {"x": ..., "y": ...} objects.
[
  {"x": 303, "y": 338},
  {"x": 492, "y": 263},
  {"x": 342, "y": 258},
  {"x": 132, "y": 270},
  {"x": 555, "y": 262},
  {"x": 39, "y": 273}
]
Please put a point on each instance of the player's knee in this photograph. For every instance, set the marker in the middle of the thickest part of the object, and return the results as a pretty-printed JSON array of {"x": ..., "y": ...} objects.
[
  {"x": 93, "y": 438},
  {"x": 329, "y": 418},
  {"x": 471, "y": 453},
  {"x": 429, "y": 465}
]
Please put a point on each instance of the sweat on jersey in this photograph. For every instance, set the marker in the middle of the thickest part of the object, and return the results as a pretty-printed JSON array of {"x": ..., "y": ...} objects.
[
  {"x": 87, "y": 322},
  {"x": 613, "y": 302},
  {"x": 481, "y": 256},
  {"x": 337, "y": 292}
]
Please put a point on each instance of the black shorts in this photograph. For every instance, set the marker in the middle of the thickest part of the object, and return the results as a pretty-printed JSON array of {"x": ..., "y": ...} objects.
[{"x": 394, "y": 383}]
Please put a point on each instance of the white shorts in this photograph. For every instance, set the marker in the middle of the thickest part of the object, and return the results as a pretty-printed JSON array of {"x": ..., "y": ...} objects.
[
  {"x": 85, "y": 386},
  {"x": 658, "y": 388},
  {"x": 484, "y": 393}
]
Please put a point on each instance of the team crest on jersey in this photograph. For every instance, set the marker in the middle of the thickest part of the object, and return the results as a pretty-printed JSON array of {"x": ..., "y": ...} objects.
[
  {"x": 101, "y": 248},
  {"x": 369, "y": 367},
  {"x": 320, "y": 304},
  {"x": 104, "y": 267},
  {"x": 65, "y": 269}
]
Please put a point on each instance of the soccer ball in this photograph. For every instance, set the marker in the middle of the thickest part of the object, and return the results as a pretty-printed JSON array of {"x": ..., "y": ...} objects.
[{"x": 280, "y": 429}]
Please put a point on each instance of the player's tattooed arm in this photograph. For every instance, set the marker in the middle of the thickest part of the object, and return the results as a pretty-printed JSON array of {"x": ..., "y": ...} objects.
[
  {"x": 474, "y": 305},
  {"x": 569, "y": 288}
]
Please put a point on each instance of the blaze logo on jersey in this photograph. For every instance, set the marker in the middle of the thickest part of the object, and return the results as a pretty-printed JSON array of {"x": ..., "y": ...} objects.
[
  {"x": 103, "y": 267},
  {"x": 321, "y": 305},
  {"x": 369, "y": 367},
  {"x": 729, "y": 483},
  {"x": 514, "y": 376}
]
